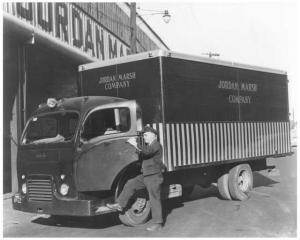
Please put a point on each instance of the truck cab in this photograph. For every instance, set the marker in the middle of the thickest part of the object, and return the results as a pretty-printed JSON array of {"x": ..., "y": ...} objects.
[{"x": 72, "y": 153}]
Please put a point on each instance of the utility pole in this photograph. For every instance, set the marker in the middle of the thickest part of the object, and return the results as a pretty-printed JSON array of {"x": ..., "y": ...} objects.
[{"x": 132, "y": 28}]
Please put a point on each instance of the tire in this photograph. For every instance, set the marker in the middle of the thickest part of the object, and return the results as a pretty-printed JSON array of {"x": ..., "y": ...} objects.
[
  {"x": 223, "y": 187},
  {"x": 208, "y": 185},
  {"x": 138, "y": 212},
  {"x": 187, "y": 192},
  {"x": 240, "y": 182},
  {"x": 59, "y": 218}
]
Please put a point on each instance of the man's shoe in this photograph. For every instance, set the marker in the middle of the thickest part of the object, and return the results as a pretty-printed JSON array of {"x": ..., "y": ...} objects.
[
  {"x": 154, "y": 227},
  {"x": 114, "y": 206}
]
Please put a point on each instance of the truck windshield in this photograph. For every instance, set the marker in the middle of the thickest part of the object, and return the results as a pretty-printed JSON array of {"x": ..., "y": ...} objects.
[{"x": 50, "y": 128}]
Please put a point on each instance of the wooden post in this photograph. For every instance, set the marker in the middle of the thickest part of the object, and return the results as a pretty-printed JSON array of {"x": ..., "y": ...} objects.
[{"x": 132, "y": 28}]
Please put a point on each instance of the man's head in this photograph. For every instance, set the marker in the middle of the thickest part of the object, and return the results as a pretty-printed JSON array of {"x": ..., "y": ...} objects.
[{"x": 150, "y": 134}]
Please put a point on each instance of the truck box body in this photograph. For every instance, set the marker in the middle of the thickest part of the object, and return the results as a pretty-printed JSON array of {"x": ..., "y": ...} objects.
[{"x": 206, "y": 111}]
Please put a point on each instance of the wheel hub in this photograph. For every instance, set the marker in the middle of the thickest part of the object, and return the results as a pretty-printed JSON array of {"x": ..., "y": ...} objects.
[
  {"x": 244, "y": 181},
  {"x": 139, "y": 205}
]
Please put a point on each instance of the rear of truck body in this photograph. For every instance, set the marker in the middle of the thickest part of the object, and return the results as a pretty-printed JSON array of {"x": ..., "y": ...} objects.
[{"x": 207, "y": 112}]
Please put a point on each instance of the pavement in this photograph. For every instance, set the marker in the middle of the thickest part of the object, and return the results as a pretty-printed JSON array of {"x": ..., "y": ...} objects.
[{"x": 271, "y": 211}]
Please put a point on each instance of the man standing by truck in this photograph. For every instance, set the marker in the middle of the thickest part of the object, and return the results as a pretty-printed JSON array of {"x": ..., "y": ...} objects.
[{"x": 151, "y": 177}]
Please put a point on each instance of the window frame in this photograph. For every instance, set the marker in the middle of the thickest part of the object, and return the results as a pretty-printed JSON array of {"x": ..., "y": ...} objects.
[
  {"x": 132, "y": 131},
  {"x": 49, "y": 114},
  {"x": 114, "y": 131}
]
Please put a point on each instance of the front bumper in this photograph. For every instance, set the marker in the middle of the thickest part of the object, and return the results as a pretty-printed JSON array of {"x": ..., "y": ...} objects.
[{"x": 67, "y": 207}]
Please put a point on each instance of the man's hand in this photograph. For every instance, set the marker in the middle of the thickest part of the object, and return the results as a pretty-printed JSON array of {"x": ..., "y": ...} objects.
[{"x": 132, "y": 141}]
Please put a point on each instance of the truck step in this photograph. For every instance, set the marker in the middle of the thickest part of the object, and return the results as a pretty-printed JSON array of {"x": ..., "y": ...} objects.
[{"x": 172, "y": 191}]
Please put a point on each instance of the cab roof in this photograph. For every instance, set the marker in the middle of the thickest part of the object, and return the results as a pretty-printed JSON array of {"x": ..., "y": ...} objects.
[{"x": 79, "y": 104}]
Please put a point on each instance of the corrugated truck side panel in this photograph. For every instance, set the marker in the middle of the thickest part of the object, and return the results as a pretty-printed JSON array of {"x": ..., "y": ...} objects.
[{"x": 216, "y": 113}]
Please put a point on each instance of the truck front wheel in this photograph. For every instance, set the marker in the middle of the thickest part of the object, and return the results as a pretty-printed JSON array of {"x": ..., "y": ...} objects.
[
  {"x": 240, "y": 182},
  {"x": 187, "y": 192},
  {"x": 139, "y": 210}
]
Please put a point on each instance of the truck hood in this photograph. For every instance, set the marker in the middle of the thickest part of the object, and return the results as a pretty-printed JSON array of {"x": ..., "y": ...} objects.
[{"x": 52, "y": 159}]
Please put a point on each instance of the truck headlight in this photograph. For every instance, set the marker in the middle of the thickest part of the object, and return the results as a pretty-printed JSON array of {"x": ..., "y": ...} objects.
[
  {"x": 24, "y": 188},
  {"x": 64, "y": 189}
]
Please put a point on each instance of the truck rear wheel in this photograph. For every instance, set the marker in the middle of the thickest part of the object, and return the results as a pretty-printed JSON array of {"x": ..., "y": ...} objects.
[
  {"x": 138, "y": 212},
  {"x": 187, "y": 192},
  {"x": 58, "y": 218},
  {"x": 223, "y": 187},
  {"x": 240, "y": 182}
]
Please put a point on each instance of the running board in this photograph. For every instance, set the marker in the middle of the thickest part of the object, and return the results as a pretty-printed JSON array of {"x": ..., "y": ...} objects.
[{"x": 170, "y": 191}]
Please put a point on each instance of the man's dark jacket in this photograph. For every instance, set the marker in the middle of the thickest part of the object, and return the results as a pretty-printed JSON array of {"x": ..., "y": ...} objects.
[{"x": 152, "y": 158}]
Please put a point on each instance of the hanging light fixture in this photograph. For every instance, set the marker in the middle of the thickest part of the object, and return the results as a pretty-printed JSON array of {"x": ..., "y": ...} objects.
[{"x": 166, "y": 16}]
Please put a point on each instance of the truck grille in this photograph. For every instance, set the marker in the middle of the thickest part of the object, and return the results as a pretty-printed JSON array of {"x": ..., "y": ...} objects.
[{"x": 39, "y": 189}]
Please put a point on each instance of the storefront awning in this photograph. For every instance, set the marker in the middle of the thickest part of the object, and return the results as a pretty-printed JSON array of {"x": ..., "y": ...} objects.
[{"x": 25, "y": 31}]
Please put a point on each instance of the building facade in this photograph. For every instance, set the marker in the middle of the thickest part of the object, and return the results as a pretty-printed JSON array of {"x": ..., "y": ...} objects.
[{"x": 43, "y": 44}]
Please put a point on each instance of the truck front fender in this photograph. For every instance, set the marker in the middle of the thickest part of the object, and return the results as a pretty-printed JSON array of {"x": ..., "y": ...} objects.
[{"x": 97, "y": 168}]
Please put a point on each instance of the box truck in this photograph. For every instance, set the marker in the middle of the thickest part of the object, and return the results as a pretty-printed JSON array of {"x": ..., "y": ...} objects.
[{"x": 217, "y": 122}]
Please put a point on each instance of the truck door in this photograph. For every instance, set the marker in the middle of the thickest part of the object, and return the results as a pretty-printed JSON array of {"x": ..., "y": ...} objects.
[{"x": 102, "y": 148}]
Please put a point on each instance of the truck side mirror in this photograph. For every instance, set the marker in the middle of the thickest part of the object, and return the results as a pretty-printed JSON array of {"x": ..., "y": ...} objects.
[
  {"x": 81, "y": 131},
  {"x": 140, "y": 137},
  {"x": 139, "y": 120},
  {"x": 80, "y": 142}
]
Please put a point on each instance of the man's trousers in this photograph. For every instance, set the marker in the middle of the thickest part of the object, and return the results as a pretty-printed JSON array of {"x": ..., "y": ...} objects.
[{"x": 153, "y": 185}]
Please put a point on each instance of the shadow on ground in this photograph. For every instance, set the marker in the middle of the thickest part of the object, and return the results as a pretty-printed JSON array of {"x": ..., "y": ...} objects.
[
  {"x": 260, "y": 180},
  {"x": 95, "y": 222}
]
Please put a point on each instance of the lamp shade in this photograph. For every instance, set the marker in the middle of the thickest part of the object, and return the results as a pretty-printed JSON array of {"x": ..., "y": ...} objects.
[{"x": 166, "y": 16}]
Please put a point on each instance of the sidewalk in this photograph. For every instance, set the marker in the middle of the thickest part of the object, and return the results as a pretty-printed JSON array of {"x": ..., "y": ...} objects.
[
  {"x": 7, "y": 196},
  {"x": 13, "y": 218}
]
